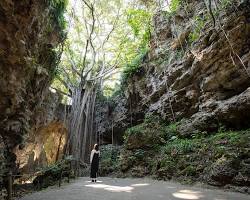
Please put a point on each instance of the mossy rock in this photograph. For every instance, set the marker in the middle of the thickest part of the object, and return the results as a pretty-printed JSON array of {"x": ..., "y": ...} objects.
[
  {"x": 243, "y": 176},
  {"x": 144, "y": 136},
  {"x": 220, "y": 159},
  {"x": 222, "y": 171}
]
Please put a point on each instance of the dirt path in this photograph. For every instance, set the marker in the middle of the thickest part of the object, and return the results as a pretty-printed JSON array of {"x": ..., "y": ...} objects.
[{"x": 131, "y": 189}]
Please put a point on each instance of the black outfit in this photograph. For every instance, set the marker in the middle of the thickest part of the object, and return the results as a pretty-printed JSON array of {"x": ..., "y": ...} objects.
[{"x": 94, "y": 165}]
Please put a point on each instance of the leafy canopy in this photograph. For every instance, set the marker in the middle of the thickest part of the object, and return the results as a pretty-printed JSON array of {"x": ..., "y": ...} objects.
[{"x": 114, "y": 35}]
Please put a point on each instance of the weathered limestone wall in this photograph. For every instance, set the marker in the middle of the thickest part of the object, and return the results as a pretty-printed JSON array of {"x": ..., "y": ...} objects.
[
  {"x": 29, "y": 33},
  {"x": 202, "y": 82}
]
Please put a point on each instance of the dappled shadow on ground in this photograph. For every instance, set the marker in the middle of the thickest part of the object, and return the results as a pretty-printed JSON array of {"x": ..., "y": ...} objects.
[
  {"x": 128, "y": 189},
  {"x": 115, "y": 188},
  {"x": 163, "y": 192}
]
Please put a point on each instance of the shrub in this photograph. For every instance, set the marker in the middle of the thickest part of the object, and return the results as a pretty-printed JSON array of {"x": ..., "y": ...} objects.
[
  {"x": 173, "y": 8},
  {"x": 110, "y": 152},
  {"x": 179, "y": 146},
  {"x": 109, "y": 159},
  {"x": 139, "y": 153},
  {"x": 170, "y": 131},
  {"x": 188, "y": 171},
  {"x": 133, "y": 67},
  {"x": 51, "y": 174}
]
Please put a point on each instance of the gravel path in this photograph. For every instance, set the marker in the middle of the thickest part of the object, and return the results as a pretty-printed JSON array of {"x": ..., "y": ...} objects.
[{"x": 131, "y": 189}]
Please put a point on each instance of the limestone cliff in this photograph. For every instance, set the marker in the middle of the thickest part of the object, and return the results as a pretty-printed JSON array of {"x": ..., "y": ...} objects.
[
  {"x": 30, "y": 31},
  {"x": 45, "y": 140},
  {"x": 194, "y": 73},
  {"x": 195, "y": 81}
]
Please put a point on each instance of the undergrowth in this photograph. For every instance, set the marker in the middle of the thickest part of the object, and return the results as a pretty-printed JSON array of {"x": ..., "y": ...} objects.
[
  {"x": 109, "y": 159},
  {"x": 51, "y": 174},
  {"x": 185, "y": 159}
]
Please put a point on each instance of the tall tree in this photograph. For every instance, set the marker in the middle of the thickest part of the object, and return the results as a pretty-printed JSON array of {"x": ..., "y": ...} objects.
[
  {"x": 83, "y": 67},
  {"x": 102, "y": 37}
]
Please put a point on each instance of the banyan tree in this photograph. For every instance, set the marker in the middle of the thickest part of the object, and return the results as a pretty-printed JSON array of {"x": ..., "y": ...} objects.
[{"x": 85, "y": 64}]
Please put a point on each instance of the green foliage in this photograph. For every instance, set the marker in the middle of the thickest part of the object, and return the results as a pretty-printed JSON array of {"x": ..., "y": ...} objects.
[
  {"x": 179, "y": 146},
  {"x": 222, "y": 128},
  {"x": 117, "y": 91},
  {"x": 168, "y": 164},
  {"x": 179, "y": 54},
  {"x": 226, "y": 137},
  {"x": 109, "y": 159},
  {"x": 145, "y": 136},
  {"x": 173, "y": 127},
  {"x": 108, "y": 91},
  {"x": 139, "y": 21},
  {"x": 193, "y": 36},
  {"x": 57, "y": 10},
  {"x": 132, "y": 67},
  {"x": 135, "y": 47},
  {"x": 199, "y": 23},
  {"x": 174, "y": 5},
  {"x": 188, "y": 159},
  {"x": 124, "y": 48},
  {"x": 190, "y": 170},
  {"x": 120, "y": 39},
  {"x": 135, "y": 130},
  {"x": 139, "y": 153},
  {"x": 150, "y": 125},
  {"x": 110, "y": 152},
  {"x": 131, "y": 159},
  {"x": 152, "y": 119},
  {"x": 154, "y": 125},
  {"x": 170, "y": 131},
  {"x": 58, "y": 166},
  {"x": 52, "y": 59},
  {"x": 49, "y": 175},
  {"x": 173, "y": 8}
]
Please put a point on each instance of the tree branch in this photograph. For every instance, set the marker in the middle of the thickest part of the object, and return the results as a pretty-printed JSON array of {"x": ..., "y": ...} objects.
[{"x": 60, "y": 91}]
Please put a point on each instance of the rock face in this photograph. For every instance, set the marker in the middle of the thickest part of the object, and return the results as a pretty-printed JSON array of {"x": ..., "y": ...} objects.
[
  {"x": 209, "y": 84},
  {"x": 116, "y": 117},
  {"x": 199, "y": 76},
  {"x": 29, "y": 32},
  {"x": 45, "y": 141}
]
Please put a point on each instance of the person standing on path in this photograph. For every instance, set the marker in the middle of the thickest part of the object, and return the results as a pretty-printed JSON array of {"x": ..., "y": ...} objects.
[{"x": 94, "y": 162}]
